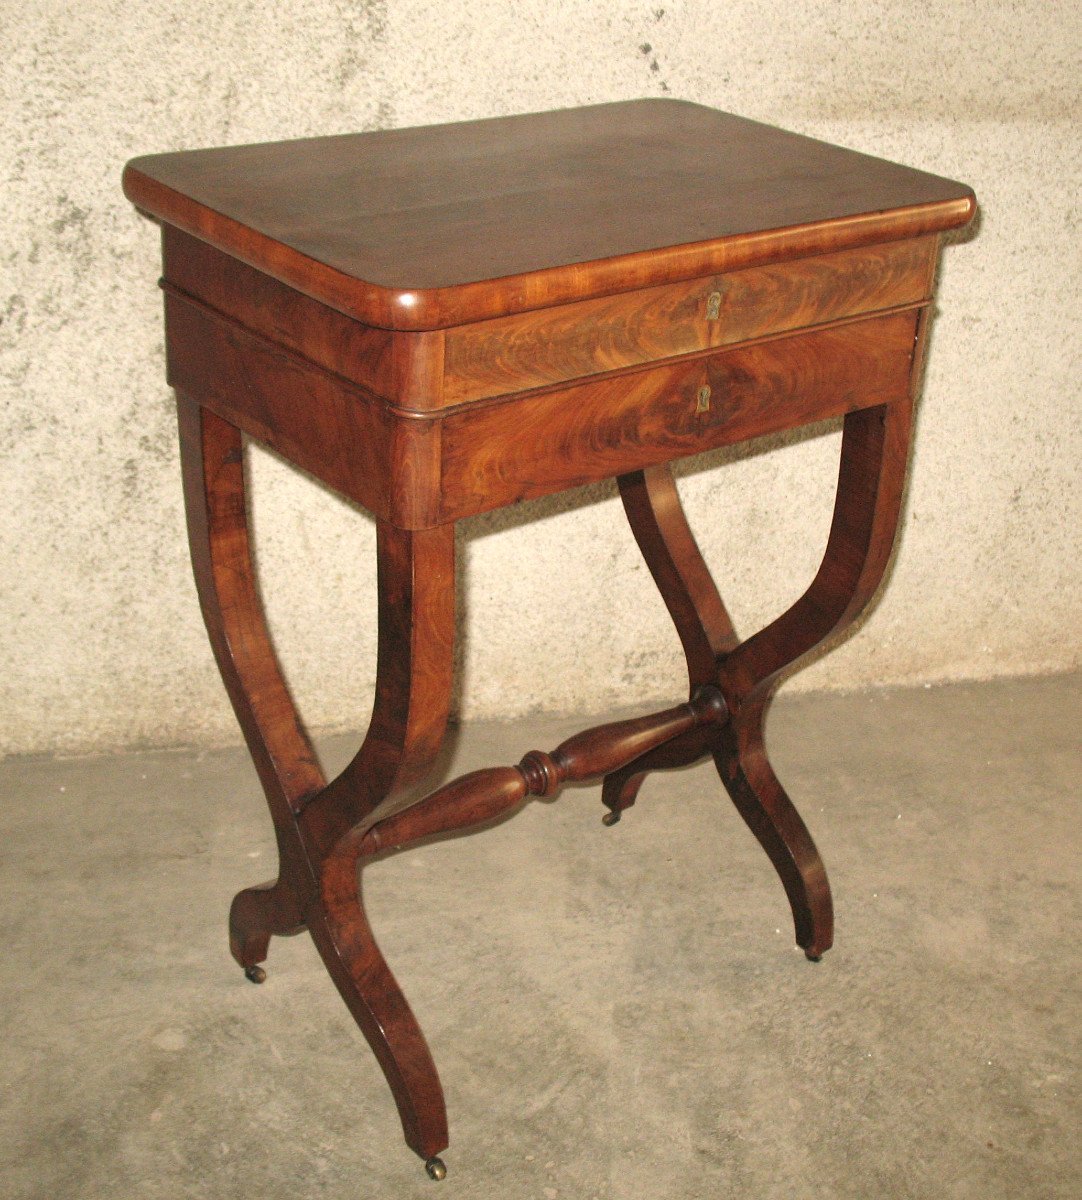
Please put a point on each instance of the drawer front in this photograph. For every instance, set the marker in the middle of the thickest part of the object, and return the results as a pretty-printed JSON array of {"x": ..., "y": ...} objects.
[
  {"x": 528, "y": 446},
  {"x": 552, "y": 346}
]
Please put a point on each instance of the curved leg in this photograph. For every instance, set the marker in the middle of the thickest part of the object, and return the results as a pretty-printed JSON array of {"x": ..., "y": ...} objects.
[
  {"x": 871, "y": 477},
  {"x": 416, "y": 620},
  {"x": 345, "y": 939},
  {"x": 347, "y": 946},
  {"x": 770, "y": 815},
  {"x": 874, "y": 452},
  {"x": 413, "y": 688},
  {"x": 661, "y": 530},
  {"x": 413, "y": 692},
  {"x": 214, "y": 494}
]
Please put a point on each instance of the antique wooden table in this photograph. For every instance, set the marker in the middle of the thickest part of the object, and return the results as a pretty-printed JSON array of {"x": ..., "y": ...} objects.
[{"x": 440, "y": 321}]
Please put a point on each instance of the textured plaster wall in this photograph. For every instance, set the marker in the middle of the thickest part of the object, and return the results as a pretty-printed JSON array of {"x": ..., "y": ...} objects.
[{"x": 100, "y": 637}]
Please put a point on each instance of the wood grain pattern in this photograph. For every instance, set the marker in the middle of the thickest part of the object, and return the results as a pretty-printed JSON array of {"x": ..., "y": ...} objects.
[
  {"x": 432, "y": 371},
  {"x": 482, "y": 797},
  {"x": 423, "y": 470},
  {"x": 415, "y": 651},
  {"x": 214, "y": 495},
  {"x": 875, "y": 445},
  {"x": 547, "y": 441},
  {"x": 703, "y": 624},
  {"x": 668, "y": 547},
  {"x": 867, "y": 509},
  {"x": 554, "y": 345},
  {"x": 405, "y": 369},
  {"x": 409, "y": 718},
  {"x": 429, "y": 228},
  {"x": 413, "y": 688},
  {"x": 322, "y": 422},
  {"x": 438, "y": 322}
]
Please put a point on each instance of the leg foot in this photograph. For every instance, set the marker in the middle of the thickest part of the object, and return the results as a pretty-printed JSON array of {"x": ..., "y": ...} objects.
[
  {"x": 812, "y": 957},
  {"x": 769, "y": 814},
  {"x": 345, "y": 942},
  {"x": 256, "y": 914},
  {"x": 435, "y": 1168},
  {"x": 621, "y": 788},
  {"x": 255, "y": 974}
]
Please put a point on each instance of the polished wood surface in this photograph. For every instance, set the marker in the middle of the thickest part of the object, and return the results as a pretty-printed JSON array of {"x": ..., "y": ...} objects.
[
  {"x": 443, "y": 369},
  {"x": 413, "y": 690},
  {"x": 432, "y": 227},
  {"x": 494, "y": 793},
  {"x": 417, "y": 470},
  {"x": 703, "y": 624},
  {"x": 404, "y": 369},
  {"x": 490, "y": 358},
  {"x": 796, "y": 286},
  {"x": 554, "y": 439},
  {"x": 323, "y": 422}
]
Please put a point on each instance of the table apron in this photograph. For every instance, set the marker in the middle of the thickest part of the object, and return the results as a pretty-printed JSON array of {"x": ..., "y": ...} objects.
[
  {"x": 329, "y": 426},
  {"x": 545, "y": 442},
  {"x": 420, "y": 470}
]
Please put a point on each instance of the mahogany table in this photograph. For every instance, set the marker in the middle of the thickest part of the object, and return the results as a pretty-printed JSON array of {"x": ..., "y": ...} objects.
[{"x": 436, "y": 322}]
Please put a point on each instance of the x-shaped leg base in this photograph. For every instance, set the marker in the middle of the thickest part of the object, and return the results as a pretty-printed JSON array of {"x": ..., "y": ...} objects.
[{"x": 326, "y": 831}]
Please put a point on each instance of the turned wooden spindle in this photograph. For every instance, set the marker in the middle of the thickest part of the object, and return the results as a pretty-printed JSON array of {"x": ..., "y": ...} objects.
[{"x": 484, "y": 796}]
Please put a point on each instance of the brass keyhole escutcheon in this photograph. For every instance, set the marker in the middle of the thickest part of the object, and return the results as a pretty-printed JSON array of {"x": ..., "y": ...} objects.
[
  {"x": 702, "y": 400},
  {"x": 713, "y": 306}
]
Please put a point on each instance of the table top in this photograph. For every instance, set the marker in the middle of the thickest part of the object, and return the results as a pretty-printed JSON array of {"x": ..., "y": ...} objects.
[{"x": 429, "y": 227}]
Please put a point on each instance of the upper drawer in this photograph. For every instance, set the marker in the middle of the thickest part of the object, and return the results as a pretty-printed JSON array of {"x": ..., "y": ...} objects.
[
  {"x": 440, "y": 369},
  {"x": 535, "y": 349}
]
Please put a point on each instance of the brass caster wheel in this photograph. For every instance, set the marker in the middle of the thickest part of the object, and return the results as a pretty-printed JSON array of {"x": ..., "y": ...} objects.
[
  {"x": 435, "y": 1168},
  {"x": 255, "y": 974},
  {"x": 812, "y": 957},
  {"x": 610, "y": 818}
]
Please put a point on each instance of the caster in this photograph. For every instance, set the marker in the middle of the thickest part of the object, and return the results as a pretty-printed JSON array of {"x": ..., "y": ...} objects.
[
  {"x": 435, "y": 1168},
  {"x": 255, "y": 973},
  {"x": 610, "y": 818}
]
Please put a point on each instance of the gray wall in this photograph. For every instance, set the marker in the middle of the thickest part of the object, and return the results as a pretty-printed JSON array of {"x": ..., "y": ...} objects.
[{"x": 100, "y": 637}]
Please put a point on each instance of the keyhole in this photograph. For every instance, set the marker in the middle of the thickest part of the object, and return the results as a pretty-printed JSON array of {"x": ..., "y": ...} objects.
[{"x": 702, "y": 400}]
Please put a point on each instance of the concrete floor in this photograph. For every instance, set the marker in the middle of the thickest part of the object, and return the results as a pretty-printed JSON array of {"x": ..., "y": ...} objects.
[{"x": 615, "y": 1013}]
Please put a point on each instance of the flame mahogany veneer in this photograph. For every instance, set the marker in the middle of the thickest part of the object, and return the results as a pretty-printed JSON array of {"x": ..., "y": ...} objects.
[{"x": 440, "y": 321}]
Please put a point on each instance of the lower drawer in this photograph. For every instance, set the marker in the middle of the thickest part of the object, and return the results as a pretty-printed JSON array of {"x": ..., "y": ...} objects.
[{"x": 527, "y": 446}]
